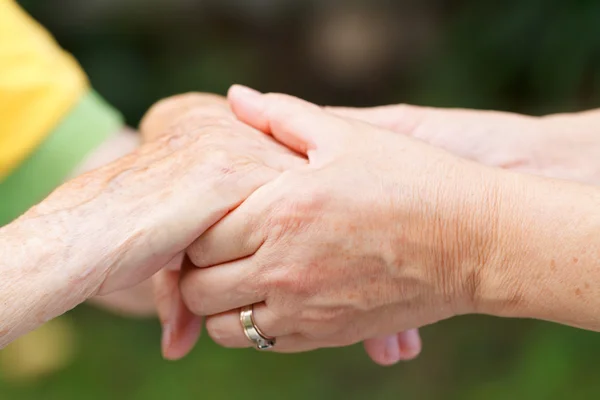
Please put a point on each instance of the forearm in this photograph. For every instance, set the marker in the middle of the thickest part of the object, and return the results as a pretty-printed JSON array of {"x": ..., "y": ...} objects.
[
  {"x": 548, "y": 264},
  {"x": 44, "y": 274},
  {"x": 570, "y": 146},
  {"x": 116, "y": 146},
  {"x": 57, "y": 254},
  {"x": 138, "y": 300}
]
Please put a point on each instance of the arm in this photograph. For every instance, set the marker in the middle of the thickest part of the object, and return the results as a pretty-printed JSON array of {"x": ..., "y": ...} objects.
[
  {"x": 534, "y": 277},
  {"x": 562, "y": 146},
  {"x": 344, "y": 253},
  {"x": 140, "y": 300},
  {"x": 114, "y": 227},
  {"x": 547, "y": 263},
  {"x": 44, "y": 270},
  {"x": 137, "y": 301}
]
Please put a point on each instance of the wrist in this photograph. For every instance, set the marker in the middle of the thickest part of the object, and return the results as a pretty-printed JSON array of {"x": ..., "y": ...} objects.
[
  {"x": 494, "y": 283},
  {"x": 44, "y": 275},
  {"x": 118, "y": 145},
  {"x": 476, "y": 235},
  {"x": 546, "y": 253}
]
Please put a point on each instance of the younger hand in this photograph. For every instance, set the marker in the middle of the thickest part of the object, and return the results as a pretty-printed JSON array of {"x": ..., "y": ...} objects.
[{"x": 378, "y": 233}]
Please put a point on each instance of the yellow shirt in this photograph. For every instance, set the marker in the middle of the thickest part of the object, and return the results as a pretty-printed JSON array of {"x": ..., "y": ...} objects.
[
  {"x": 50, "y": 119},
  {"x": 39, "y": 83}
]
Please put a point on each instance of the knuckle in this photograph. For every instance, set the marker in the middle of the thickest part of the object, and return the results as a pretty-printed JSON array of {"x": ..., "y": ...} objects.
[
  {"x": 323, "y": 324},
  {"x": 167, "y": 112},
  {"x": 293, "y": 211},
  {"x": 195, "y": 293},
  {"x": 196, "y": 253},
  {"x": 292, "y": 283},
  {"x": 203, "y": 126},
  {"x": 223, "y": 161}
]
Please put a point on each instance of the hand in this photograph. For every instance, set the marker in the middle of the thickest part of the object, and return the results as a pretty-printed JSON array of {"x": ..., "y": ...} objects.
[
  {"x": 564, "y": 146},
  {"x": 378, "y": 233},
  {"x": 557, "y": 146},
  {"x": 116, "y": 226},
  {"x": 181, "y": 328},
  {"x": 157, "y": 200}
]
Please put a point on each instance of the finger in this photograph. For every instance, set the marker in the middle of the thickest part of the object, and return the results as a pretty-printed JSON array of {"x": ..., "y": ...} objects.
[
  {"x": 137, "y": 301},
  {"x": 391, "y": 349},
  {"x": 181, "y": 328},
  {"x": 175, "y": 263},
  {"x": 234, "y": 237},
  {"x": 226, "y": 328},
  {"x": 228, "y": 286},
  {"x": 300, "y": 125},
  {"x": 383, "y": 350},
  {"x": 410, "y": 344},
  {"x": 164, "y": 283}
]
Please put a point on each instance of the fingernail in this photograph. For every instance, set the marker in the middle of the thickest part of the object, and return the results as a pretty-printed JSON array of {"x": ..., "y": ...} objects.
[
  {"x": 409, "y": 343},
  {"x": 245, "y": 93},
  {"x": 167, "y": 338},
  {"x": 391, "y": 350},
  {"x": 190, "y": 334},
  {"x": 168, "y": 328}
]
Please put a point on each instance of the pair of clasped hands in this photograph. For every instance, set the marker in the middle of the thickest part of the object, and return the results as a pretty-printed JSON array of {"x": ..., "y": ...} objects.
[{"x": 338, "y": 225}]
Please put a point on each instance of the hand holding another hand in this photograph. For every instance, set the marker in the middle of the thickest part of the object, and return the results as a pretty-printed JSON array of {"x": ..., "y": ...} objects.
[
  {"x": 378, "y": 233},
  {"x": 181, "y": 328}
]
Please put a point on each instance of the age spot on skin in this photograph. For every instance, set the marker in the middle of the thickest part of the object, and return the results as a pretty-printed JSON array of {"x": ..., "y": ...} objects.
[
  {"x": 587, "y": 285},
  {"x": 578, "y": 292},
  {"x": 575, "y": 260},
  {"x": 552, "y": 265}
]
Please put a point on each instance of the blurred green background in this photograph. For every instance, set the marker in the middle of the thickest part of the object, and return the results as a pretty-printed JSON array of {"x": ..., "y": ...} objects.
[{"x": 531, "y": 56}]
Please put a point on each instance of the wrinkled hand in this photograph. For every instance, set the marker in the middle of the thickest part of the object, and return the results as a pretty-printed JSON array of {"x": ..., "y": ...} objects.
[
  {"x": 378, "y": 233},
  {"x": 206, "y": 118},
  {"x": 181, "y": 328},
  {"x": 564, "y": 146}
]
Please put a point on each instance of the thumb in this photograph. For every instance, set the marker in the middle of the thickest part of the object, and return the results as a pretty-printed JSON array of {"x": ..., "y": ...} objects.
[
  {"x": 302, "y": 126},
  {"x": 180, "y": 328}
]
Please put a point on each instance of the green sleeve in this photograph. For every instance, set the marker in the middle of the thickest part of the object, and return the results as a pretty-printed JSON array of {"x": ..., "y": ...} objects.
[{"x": 88, "y": 124}]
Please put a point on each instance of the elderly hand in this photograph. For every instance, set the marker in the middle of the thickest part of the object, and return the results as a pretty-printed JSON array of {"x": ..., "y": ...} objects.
[
  {"x": 116, "y": 226},
  {"x": 212, "y": 118},
  {"x": 379, "y": 233}
]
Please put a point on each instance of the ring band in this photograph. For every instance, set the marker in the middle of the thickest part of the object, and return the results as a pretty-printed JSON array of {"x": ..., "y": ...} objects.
[{"x": 254, "y": 335}]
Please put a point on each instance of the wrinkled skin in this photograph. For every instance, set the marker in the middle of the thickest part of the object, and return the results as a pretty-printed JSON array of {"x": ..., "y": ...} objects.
[
  {"x": 558, "y": 146},
  {"x": 114, "y": 227},
  {"x": 360, "y": 243},
  {"x": 181, "y": 328},
  {"x": 211, "y": 118}
]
